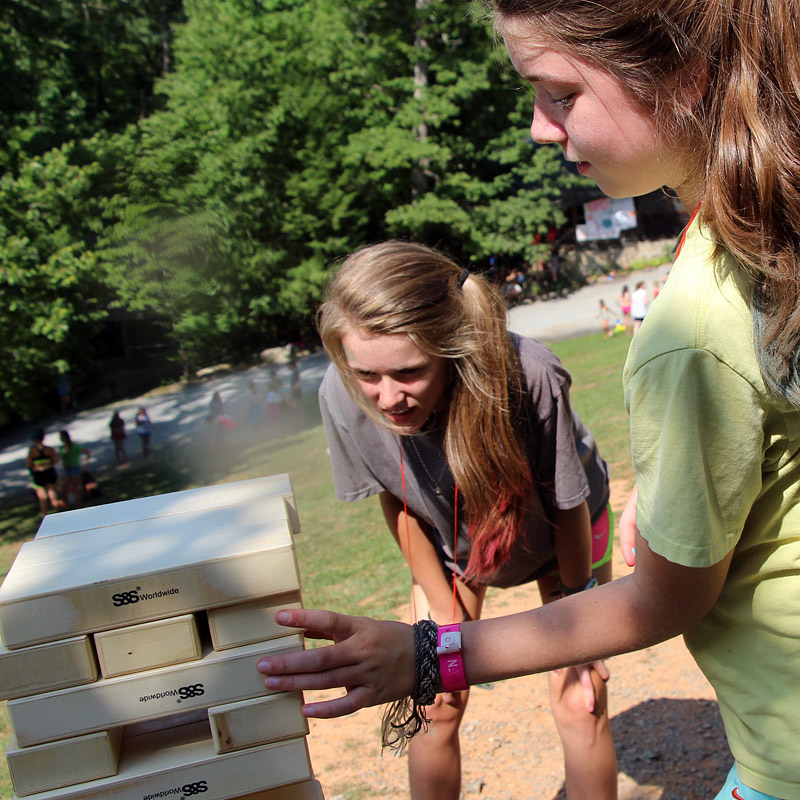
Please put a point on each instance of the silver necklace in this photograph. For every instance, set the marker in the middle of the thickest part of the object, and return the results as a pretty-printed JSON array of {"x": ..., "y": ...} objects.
[{"x": 434, "y": 483}]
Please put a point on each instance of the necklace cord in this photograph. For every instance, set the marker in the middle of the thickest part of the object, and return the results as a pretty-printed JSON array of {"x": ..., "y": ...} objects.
[
  {"x": 408, "y": 533},
  {"x": 455, "y": 542}
]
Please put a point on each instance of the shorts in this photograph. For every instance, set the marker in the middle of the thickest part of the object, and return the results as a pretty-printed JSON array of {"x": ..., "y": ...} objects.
[
  {"x": 72, "y": 472},
  {"x": 734, "y": 789},
  {"x": 626, "y": 309},
  {"x": 45, "y": 477}
]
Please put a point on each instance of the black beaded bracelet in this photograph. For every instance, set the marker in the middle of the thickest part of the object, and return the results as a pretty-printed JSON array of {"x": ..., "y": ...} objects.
[{"x": 404, "y": 719}]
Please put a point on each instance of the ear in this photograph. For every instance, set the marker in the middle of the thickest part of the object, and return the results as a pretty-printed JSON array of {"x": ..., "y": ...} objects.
[{"x": 695, "y": 82}]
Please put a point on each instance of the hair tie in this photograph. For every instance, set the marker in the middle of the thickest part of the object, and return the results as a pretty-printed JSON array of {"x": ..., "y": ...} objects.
[{"x": 462, "y": 278}]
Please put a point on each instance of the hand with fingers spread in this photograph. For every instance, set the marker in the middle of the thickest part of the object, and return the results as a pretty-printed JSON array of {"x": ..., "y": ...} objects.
[{"x": 373, "y": 661}]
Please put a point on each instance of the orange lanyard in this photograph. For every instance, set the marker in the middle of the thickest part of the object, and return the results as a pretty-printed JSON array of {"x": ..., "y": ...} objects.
[{"x": 408, "y": 537}]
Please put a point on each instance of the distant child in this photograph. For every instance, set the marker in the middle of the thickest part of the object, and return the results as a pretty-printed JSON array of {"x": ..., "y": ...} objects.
[
  {"x": 144, "y": 428},
  {"x": 606, "y": 318},
  {"x": 72, "y": 454},
  {"x": 639, "y": 305},
  {"x": 118, "y": 436},
  {"x": 41, "y": 463}
]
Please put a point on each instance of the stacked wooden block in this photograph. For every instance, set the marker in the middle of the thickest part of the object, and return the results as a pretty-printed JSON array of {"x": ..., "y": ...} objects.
[{"x": 131, "y": 633}]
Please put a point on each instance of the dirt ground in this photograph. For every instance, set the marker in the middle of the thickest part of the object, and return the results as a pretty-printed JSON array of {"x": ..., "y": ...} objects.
[{"x": 668, "y": 733}]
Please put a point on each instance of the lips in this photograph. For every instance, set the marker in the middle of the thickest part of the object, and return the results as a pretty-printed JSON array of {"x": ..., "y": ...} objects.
[
  {"x": 583, "y": 167},
  {"x": 398, "y": 415}
]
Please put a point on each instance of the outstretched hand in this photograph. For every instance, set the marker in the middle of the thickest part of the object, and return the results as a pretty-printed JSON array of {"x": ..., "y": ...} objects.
[{"x": 372, "y": 660}]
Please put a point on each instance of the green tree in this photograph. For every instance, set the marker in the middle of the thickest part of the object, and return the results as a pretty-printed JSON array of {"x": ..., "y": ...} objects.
[
  {"x": 71, "y": 72},
  {"x": 52, "y": 295}
]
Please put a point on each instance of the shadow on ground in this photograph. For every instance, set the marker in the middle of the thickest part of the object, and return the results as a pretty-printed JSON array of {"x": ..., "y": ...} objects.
[{"x": 675, "y": 749}]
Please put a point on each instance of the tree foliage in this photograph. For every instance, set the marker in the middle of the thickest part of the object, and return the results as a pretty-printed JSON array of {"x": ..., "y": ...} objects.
[{"x": 280, "y": 135}]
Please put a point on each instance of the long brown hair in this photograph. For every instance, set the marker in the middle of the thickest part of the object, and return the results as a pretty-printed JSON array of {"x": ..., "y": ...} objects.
[
  {"x": 404, "y": 288},
  {"x": 741, "y": 138}
]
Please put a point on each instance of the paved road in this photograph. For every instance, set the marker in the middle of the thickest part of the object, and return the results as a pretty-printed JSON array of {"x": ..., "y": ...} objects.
[{"x": 179, "y": 416}]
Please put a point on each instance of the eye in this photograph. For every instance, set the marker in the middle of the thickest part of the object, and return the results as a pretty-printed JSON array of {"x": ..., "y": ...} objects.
[
  {"x": 567, "y": 101},
  {"x": 364, "y": 375}
]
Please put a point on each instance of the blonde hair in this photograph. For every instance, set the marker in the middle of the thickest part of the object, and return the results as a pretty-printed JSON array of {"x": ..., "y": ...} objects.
[
  {"x": 741, "y": 137},
  {"x": 404, "y": 288}
]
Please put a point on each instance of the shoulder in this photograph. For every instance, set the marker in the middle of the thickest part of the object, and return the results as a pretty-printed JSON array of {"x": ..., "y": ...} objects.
[
  {"x": 704, "y": 308},
  {"x": 539, "y": 365}
]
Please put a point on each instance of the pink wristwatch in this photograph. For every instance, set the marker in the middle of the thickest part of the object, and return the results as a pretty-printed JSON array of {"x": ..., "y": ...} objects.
[{"x": 451, "y": 664}]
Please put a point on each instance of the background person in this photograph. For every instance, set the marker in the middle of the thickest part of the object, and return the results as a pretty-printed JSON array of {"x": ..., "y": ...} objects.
[
  {"x": 118, "y": 436},
  {"x": 71, "y": 454},
  {"x": 624, "y": 303},
  {"x": 144, "y": 428},
  {"x": 639, "y": 305},
  {"x": 428, "y": 392},
  {"x": 41, "y": 463}
]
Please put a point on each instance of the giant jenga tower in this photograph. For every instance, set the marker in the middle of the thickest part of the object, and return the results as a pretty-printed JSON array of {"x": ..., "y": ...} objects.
[{"x": 130, "y": 635}]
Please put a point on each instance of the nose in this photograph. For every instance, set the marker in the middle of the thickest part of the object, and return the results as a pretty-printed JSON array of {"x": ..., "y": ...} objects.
[
  {"x": 545, "y": 127},
  {"x": 390, "y": 394}
]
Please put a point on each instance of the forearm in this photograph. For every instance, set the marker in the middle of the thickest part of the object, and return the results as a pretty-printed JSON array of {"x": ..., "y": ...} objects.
[
  {"x": 573, "y": 544},
  {"x": 418, "y": 550},
  {"x": 575, "y": 630},
  {"x": 658, "y": 601},
  {"x": 375, "y": 660}
]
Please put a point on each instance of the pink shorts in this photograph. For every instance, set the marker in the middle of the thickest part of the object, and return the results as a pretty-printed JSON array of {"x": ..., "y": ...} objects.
[{"x": 602, "y": 539}]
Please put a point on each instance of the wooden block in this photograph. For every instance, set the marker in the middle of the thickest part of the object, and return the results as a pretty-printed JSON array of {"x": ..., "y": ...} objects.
[
  {"x": 147, "y": 646},
  {"x": 162, "y": 505},
  {"x": 216, "y": 679},
  {"x": 173, "y": 764},
  {"x": 243, "y": 623},
  {"x": 46, "y": 667},
  {"x": 61, "y": 586},
  {"x": 307, "y": 790},
  {"x": 257, "y": 721},
  {"x": 197, "y": 715},
  {"x": 63, "y": 763}
]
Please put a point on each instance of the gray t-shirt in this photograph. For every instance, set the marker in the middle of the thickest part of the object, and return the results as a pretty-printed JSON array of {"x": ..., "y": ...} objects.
[{"x": 565, "y": 465}]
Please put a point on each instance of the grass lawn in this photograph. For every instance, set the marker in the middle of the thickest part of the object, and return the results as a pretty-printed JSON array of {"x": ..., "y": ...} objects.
[{"x": 347, "y": 559}]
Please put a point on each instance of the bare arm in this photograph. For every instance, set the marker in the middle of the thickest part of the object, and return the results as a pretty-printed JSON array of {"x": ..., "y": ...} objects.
[
  {"x": 374, "y": 661},
  {"x": 420, "y": 555},
  {"x": 573, "y": 544},
  {"x": 658, "y": 601}
]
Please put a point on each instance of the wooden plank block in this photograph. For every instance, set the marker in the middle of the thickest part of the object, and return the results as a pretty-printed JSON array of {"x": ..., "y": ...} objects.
[
  {"x": 257, "y": 721},
  {"x": 46, "y": 667},
  {"x": 63, "y": 763},
  {"x": 197, "y": 715},
  {"x": 307, "y": 790},
  {"x": 137, "y": 648},
  {"x": 61, "y": 586},
  {"x": 216, "y": 679},
  {"x": 162, "y": 505},
  {"x": 243, "y": 623},
  {"x": 170, "y": 765}
]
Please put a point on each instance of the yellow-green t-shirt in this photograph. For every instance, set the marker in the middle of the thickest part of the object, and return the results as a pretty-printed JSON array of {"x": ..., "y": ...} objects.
[{"x": 717, "y": 464}]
